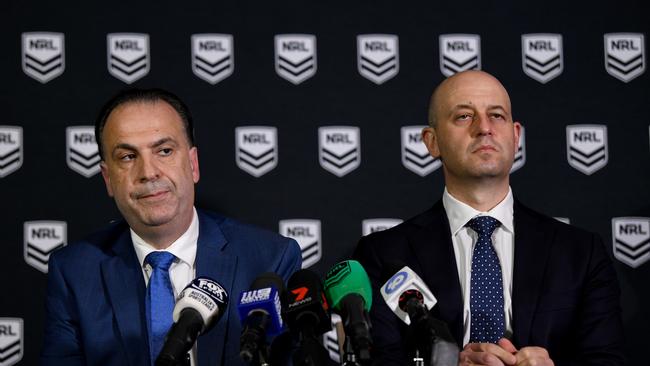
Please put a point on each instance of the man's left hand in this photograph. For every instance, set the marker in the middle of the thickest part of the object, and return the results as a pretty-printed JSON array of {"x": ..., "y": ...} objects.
[{"x": 527, "y": 356}]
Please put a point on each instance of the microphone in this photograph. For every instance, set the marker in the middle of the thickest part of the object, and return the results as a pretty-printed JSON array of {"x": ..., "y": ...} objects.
[
  {"x": 305, "y": 310},
  {"x": 260, "y": 314},
  {"x": 198, "y": 308},
  {"x": 404, "y": 279},
  {"x": 348, "y": 290},
  {"x": 410, "y": 299}
]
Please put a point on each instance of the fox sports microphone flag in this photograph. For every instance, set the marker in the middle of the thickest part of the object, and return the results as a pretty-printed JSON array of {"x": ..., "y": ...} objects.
[{"x": 198, "y": 308}]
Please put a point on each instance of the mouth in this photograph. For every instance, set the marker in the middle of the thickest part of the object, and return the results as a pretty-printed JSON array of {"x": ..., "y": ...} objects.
[
  {"x": 485, "y": 148},
  {"x": 152, "y": 196}
]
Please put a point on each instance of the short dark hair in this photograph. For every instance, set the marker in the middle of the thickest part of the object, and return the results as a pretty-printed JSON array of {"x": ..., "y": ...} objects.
[{"x": 143, "y": 96}]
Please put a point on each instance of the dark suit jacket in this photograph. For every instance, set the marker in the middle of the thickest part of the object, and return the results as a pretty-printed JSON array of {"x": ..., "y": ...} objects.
[
  {"x": 96, "y": 290},
  {"x": 565, "y": 294}
]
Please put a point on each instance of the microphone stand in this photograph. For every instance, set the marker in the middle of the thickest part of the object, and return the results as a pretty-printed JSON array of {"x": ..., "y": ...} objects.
[
  {"x": 349, "y": 357},
  {"x": 417, "y": 360},
  {"x": 310, "y": 351}
]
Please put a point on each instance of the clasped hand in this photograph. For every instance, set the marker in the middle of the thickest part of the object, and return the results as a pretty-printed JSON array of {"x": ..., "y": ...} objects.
[{"x": 503, "y": 353}]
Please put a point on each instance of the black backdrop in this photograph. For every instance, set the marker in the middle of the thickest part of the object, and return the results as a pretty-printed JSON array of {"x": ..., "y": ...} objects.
[{"x": 45, "y": 188}]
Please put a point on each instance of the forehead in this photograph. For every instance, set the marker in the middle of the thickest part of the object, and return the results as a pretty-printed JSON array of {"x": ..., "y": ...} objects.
[
  {"x": 142, "y": 119},
  {"x": 474, "y": 89}
]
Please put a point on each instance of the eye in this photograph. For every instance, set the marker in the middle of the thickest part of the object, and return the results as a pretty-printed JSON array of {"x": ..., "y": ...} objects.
[
  {"x": 464, "y": 117},
  {"x": 127, "y": 157},
  {"x": 497, "y": 116},
  {"x": 165, "y": 151}
]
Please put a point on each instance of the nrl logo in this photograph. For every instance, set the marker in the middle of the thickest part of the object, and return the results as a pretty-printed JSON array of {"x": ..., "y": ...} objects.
[
  {"x": 631, "y": 239},
  {"x": 295, "y": 56},
  {"x": 43, "y": 55},
  {"x": 256, "y": 149},
  {"x": 624, "y": 55},
  {"x": 369, "y": 226},
  {"x": 377, "y": 57},
  {"x": 541, "y": 56},
  {"x": 11, "y": 341},
  {"x": 587, "y": 147},
  {"x": 415, "y": 156},
  {"x": 128, "y": 56},
  {"x": 82, "y": 153},
  {"x": 339, "y": 149},
  {"x": 308, "y": 235},
  {"x": 520, "y": 155},
  {"x": 459, "y": 52},
  {"x": 212, "y": 56},
  {"x": 331, "y": 340},
  {"x": 11, "y": 149},
  {"x": 41, "y": 238}
]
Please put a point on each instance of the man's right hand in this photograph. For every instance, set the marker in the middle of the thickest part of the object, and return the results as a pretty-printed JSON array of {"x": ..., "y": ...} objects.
[{"x": 487, "y": 354}]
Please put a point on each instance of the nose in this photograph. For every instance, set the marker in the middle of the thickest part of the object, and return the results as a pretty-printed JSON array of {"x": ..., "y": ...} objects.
[
  {"x": 483, "y": 125},
  {"x": 147, "y": 169}
]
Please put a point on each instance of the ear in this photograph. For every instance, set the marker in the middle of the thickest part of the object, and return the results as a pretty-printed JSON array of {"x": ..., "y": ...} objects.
[
  {"x": 430, "y": 139},
  {"x": 517, "y": 134},
  {"x": 107, "y": 178},
  {"x": 194, "y": 164}
]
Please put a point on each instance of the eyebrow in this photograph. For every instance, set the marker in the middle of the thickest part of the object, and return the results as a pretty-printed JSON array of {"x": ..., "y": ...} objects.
[
  {"x": 497, "y": 106},
  {"x": 154, "y": 144},
  {"x": 162, "y": 141},
  {"x": 472, "y": 106}
]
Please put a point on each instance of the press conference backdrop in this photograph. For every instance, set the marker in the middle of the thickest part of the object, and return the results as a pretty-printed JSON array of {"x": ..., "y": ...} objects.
[{"x": 308, "y": 118}]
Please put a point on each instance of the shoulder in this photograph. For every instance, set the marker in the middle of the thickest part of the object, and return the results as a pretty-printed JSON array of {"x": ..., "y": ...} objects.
[
  {"x": 393, "y": 239},
  {"x": 566, "y": 238},
  {"x": 523, "y": 212},
  {"x": 253, "y": 236},
  {"x": 94, "y": 246}
]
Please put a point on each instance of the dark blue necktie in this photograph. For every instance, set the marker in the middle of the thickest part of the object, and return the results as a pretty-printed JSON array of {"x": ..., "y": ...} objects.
[
  {"x": 486, "y": 301},
  {"x": 159, "y": 301}
]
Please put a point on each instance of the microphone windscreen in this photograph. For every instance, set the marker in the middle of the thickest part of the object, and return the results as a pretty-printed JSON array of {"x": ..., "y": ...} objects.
[
  {"x": 206, "y": 296},
  {"x": 345, "y": 278},
  {"x": 268, "y": 279}
]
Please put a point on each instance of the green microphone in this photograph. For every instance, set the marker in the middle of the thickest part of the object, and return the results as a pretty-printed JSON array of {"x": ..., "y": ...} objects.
[{"x": 348, "y": 291}]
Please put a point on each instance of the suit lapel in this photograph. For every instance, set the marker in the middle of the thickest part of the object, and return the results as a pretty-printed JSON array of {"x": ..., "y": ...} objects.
[
  {"x": 532, "y": 247},
  {"x": 434, "y": 252},
  {"x": 214, "y": 261},
  {"x": 124, "y": 282}
]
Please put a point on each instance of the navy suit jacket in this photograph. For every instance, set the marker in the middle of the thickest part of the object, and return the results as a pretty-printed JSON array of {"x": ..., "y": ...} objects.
[
  {"x": 95, "y": 297},
  {"x": 565, "y": 294}
]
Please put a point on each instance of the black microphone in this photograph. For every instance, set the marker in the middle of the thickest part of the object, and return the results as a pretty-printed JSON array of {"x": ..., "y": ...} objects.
[
  {"x": 304, "y": 307},
  {"x": 198, "y": 308},
  {"x": 306, "y": 312},
  {"x": 260, "y": 313}
]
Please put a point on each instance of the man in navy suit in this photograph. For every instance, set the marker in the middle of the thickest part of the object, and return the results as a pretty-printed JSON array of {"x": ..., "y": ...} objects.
[
  {"x": 514, "y": 286},
  {"x": 96, "y": 308}
]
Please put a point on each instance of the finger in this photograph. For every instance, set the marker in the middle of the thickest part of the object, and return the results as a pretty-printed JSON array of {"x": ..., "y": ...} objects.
[
  {"x": 536, "y": 362},
  {"x": 493, "y": 349},
  {"x": 479, "y": 358},
  {"x": 533, "y": 356},
  {"x": 507, "y": 345}
]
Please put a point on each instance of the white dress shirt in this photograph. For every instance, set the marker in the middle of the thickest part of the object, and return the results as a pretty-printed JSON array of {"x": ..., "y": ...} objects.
[
  {"x": 464, "y": 239},
  {"x": 183, "y": 269}
]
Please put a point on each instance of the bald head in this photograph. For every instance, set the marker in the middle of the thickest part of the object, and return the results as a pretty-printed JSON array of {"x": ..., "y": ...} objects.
[{"x": 445, "y": 95}]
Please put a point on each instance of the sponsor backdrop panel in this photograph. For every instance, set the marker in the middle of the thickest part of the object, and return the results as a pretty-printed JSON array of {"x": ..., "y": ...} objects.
[{"x": 308, "y": 120}]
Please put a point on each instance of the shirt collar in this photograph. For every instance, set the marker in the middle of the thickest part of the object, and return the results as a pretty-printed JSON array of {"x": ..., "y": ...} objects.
[
  {"x": 184, "y": 248},
  {"x": 459, "y": 213}
]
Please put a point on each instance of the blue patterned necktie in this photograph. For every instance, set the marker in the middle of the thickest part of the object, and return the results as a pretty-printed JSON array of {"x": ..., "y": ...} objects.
[
  {"x": 486, "y": 301},
  {"x": 159, "y": 302}
]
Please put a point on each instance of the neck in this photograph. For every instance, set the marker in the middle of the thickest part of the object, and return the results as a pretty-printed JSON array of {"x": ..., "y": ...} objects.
[
  {"x": 162, "y": 236},
  {"x": 481, "y": 195}
]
